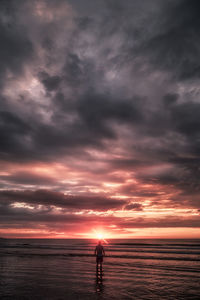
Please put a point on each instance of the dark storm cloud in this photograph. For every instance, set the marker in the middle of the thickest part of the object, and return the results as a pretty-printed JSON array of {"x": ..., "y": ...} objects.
[
  {"x": 109, "y": 76},
  {"x": 183, "y": 119},
  {"x": 51, "y": 83},
  {"x": 45, "y": 197},
  {"x": 176, "y": 47},
  {"x": 97, "y": 110},
  {"x": 16, "y": 47},
  {"x": 19, "y": 217},
  {"x": 13, "y": 133},
  {"x": 162, "y": 223},
  {"x": 170, "y": 99},
  {"x": 27, "y": 178},
  {"x": 133, "y": 190},
  {"x": 186, "y": 118},
  {"x": 76, "y": 71},
  {"x": 133, "y": 206}
]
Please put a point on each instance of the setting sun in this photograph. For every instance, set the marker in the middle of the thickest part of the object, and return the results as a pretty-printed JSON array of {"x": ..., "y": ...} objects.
[{"x": 100, "y": 235}]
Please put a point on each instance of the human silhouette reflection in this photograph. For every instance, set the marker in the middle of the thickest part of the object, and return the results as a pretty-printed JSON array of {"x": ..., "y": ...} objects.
[{"x": 99, "y": 279}]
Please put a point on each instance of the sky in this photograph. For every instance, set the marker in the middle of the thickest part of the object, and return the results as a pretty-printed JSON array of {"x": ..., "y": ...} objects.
[{"x": 99, "y": 118}]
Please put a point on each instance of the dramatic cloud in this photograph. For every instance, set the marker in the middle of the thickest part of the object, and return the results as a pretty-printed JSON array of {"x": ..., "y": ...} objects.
[
  {"x": 99, "y": 116},
  {"x": 50, "y": 198}
]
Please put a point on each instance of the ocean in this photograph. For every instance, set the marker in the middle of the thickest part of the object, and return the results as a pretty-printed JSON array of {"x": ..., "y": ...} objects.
[{"x": 132, "y": 269}]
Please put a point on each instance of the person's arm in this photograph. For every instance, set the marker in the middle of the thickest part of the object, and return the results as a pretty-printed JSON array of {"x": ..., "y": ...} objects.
[
  {"x": 95, "y": 251},
  {"x": 103, "y": 251}
]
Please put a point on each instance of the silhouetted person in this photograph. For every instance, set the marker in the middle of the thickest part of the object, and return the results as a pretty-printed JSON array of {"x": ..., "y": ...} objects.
[{"x": 99, "y": 252}]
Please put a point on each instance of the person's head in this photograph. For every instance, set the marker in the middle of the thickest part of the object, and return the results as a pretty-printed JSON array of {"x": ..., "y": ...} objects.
[{"x": 99, "y": 242}]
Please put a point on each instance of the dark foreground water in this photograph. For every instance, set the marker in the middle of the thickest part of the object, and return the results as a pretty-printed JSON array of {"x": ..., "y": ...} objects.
[{"x": 132, "y": 269}]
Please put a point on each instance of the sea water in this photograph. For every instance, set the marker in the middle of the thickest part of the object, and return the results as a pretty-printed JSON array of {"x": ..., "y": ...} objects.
[{"x": 132, "y": 269}]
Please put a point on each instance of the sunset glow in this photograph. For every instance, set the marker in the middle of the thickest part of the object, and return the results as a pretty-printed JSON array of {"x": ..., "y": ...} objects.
[{"x": 101, "y": 235}]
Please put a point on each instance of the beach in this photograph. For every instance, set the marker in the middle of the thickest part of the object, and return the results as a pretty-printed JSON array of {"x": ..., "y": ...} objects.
[{"x": 132, "y": 269}]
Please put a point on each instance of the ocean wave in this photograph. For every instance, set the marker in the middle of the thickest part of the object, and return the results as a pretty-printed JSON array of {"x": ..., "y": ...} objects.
[
  {"x": 157, "y": 245},
  {"x": 107, "y": 256},
  {"x": 110, "y": 248}
]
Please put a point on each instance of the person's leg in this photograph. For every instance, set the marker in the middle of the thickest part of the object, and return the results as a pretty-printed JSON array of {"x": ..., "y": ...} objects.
[
  {"x": 101, "y": 262},
  {"x": 97, "y": 263}
]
